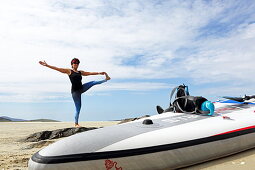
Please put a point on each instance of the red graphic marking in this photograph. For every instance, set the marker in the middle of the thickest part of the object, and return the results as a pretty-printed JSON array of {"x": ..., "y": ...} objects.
[
  {"x": 226, "y": 117},
  {"x": 109, "y": 164},
  {"x": 236, "y": 130},
  {"x": 225, "y": 109}
]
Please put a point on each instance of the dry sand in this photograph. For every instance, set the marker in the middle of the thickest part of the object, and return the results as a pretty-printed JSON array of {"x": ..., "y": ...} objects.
[{"x": 15, "y": 155}]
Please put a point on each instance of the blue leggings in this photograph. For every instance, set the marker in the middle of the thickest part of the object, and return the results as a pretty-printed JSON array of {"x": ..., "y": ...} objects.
[{"x": 77, "y": 97}]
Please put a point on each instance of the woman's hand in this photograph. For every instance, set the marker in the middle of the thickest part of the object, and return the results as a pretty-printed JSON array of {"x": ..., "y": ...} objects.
[{"x": 43, "y": 63}]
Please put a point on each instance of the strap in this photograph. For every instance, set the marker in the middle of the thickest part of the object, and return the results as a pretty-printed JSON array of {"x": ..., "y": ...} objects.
[
  {"x": 187, "y": 90},
  {"x": 187, "y": 97},
  {"x": 174, "y": 89},
  {"x": 182, "y": 109},
  {"x": 172, "y": 93}
]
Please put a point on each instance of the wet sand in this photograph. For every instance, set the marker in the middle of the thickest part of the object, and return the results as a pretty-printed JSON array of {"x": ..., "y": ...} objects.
[{"x": 15, "y": 155}]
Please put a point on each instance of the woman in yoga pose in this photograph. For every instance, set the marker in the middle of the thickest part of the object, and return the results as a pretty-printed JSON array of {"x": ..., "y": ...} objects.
[{"x": 78, "y": 88}]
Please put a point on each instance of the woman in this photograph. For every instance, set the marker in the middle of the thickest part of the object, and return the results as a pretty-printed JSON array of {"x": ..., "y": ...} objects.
[{"x": 78, "y": 88}]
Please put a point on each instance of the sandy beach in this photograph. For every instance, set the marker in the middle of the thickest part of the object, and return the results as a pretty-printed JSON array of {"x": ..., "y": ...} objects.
[{"x": 15, "y": 154}]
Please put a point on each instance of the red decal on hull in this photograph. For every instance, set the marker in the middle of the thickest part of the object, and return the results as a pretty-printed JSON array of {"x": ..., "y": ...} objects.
[{"x": 109, "y": 164}]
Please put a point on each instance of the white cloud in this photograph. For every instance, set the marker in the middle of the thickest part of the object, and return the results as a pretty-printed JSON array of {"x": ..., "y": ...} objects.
[
  {"x": 248, "y": 32},
  {"x": 107, "y": 36},
  {"x": 137, "y": 86},
  {"x": 60, "y": 91},
  {"x": 224, "y": 59}
]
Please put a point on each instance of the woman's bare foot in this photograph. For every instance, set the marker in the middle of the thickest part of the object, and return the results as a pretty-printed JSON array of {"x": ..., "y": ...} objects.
[
  {"x": 107, "y": 77},
  {"x": 76, "y": 125}
]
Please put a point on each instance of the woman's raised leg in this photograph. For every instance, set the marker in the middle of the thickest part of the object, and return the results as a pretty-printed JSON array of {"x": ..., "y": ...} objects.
[{"x": 90, "y": 84}]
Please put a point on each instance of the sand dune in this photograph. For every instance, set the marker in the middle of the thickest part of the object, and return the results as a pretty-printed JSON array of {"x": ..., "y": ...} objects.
[{"x": 15, "y": 154}]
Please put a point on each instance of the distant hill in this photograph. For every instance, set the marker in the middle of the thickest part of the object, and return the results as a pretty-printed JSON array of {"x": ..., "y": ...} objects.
[
  {"x": 10, "y": 119},
  {"x": 4, "y": 120},
  {"x": 43, "y": 120}
]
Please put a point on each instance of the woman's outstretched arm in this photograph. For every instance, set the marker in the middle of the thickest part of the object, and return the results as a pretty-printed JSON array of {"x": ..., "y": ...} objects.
[
  {"x": 95, "y": 73},
  {"x": 62, "y": 70},
  {"x": 84, "y": 73}
]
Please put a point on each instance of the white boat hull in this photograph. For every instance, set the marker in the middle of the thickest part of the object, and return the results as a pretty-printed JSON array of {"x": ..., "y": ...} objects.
[{"x": 174, "y": 140}]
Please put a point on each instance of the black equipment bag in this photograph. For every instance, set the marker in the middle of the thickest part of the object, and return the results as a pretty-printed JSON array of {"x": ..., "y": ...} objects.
[{"x": 189, "y": 104}]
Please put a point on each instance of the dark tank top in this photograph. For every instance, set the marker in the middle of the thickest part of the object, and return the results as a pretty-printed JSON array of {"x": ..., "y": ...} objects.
[{"x": 75, "y": 78}]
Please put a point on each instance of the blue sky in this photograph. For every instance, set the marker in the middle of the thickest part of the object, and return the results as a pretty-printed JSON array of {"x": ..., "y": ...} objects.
[{"x": 147, "y": 47}]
